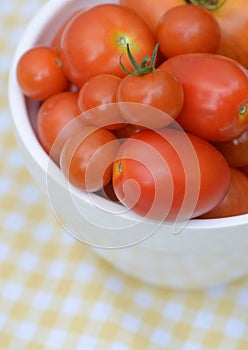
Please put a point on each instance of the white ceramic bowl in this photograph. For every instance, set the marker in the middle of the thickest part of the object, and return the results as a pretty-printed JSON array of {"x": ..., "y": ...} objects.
[{"x": 200, "y": 254}]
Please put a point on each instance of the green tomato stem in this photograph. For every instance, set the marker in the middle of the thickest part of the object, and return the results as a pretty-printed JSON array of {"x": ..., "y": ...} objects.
[
  {"x": 210, "y": 5},
  {"x": 143, "y": 68}
]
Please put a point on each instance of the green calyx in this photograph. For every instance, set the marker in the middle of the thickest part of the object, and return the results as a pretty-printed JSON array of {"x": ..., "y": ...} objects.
[
  {"x": 210, "y": 5},
  {"x": 243, "y": 110},
  {"x": 143, "y": 68}
]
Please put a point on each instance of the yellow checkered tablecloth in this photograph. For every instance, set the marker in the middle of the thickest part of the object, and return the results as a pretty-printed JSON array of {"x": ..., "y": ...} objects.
[{"x": 56, "y": 293}]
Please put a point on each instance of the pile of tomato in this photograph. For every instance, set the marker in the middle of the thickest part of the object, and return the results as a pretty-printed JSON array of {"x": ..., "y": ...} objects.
[{"x": 146, "y": 104}]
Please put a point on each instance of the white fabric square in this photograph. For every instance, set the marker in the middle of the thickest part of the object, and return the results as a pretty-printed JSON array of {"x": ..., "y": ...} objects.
[
  {"x": 204, "y": 320},
  {"x": 26, "y": 331},
  {"x": 12, "y": 291},
  {"x": 56, "y": 338},
  {"x": 161, "y": 338},
  {"x": 131, "y": 323},
  {"x": 101, "y": 311},
  {"x": 71, "y": 305},
  {"x": 235, "y": 328},
  {"x": 173, "y": 311},
  {"x": 42, "y": 300}
]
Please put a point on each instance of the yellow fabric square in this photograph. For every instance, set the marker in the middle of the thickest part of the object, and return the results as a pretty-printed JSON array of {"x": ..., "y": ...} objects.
[
  {"x": 182, "y": 330},
  {"x": 19, "y": 311},
  {"x": 108, "y": 331},
  {"x": 213, "y": 339}
]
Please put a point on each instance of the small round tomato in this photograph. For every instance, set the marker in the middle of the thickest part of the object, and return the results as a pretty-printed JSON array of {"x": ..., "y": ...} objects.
[
  {"x": 147, "y": 86},
  {"x": 235, "y": 201},
  {"x": 94, "y": 40},
  {"x": 87, "y": 156},
  {"x": 215, "y": 95},
  {"x": 53, "y": 122},
  {"x": 40, "y": 73},
  {"x": 169, "y": 175},
  {"x": 187, "y": 28},
  {"x": 235, "y": 150},
  {"x": 100, "y": 91}
]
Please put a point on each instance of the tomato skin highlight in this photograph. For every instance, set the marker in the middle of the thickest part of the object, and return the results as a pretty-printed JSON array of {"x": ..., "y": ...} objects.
[
  {"x": 214, "y": 98},
  {"x": 236, "y": 200},
  {"x": 110, "y": 27},
  {"x": 153, "y": 170}
]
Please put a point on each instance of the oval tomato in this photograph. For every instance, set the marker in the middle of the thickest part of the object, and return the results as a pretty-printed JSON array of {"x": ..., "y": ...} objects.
[
  {"x": 187, "y": 28},
  {"x": 236, "y": 200},
  {"x": 169, "y": 175},
  {"x": 87, "y": 156},
  {"x": 40, "y": 73},
  {"x": 215, "y": 95},
  {"x": 94, "y": 40},
  {"x": 53, "y": 116}
]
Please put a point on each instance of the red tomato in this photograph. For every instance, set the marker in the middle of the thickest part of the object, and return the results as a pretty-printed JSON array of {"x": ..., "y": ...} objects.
[
  {"x": 126, "y": 131},
  {"x": 244, "y": 169},
  {"x": 215, "y": 95},
  {"x": 56, "y": 40},
  {"x": 236, "y": 200},
  {"x": 187, "y": 28},
  {"x": 94, "y": 40},
  {"x": 147, "y": 86},
  {"x": 100, "y": 91},
  {"x": 40, "y": 73},
  {"x": 87, "y": 157},
  {"x": 232, "y": 17},
  {"x": 159, "y": 89},
  {"x": 235, "y": 150},
  {"x": 151, "y": 12},
  {"x": 169, "y": 175},
  {"x": 53, "y": 116}
]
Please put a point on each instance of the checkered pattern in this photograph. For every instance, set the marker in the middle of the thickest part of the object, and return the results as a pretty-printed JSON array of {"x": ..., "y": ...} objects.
[{"x": 56, "y": 293}]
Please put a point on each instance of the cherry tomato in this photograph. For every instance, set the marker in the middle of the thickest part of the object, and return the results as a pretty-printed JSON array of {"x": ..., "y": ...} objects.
[
  {"x": 40, "y": 73},
  {"x": 100, "y": 91},
  {"x": 87, "y": 157},
  {"x": 94, "y": 40},
  {"x": 215, "y": 95},
  {"x": 235, "y": 150},
  {"x": 53, "y": 116},
  {"x": 236, "y": 200},
  {"x": 147, "y": 86},
  {"x": 232, "y": 16},
  {"x": 187, "y": 28},
  {"x": 169, "y": 175}
]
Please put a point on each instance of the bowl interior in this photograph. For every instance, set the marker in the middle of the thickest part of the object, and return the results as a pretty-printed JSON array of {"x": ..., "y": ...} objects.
[{"x": 41, "y": 30}]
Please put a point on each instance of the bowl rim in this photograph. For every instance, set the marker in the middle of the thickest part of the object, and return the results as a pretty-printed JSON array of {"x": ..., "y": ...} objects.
[{"x": 25, "y": 132}]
